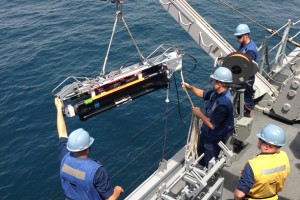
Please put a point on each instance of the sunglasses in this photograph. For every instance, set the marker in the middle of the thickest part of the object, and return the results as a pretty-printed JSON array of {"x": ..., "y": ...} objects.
[{"x": 239, "y": 36}]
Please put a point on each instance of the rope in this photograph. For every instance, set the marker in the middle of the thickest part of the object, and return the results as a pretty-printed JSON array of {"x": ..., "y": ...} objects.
[
  {"x": 187, "y": 94},
  {"x": 166, "y": 124},
  {"x": 135, "y": 44},
  {"x": 110, "y": 42},
  {"x": 119, "y": 16},
  {"x": 192, "y": 139},
  {"x": 226, "y": 4},
  {"x": 178, "y": 102}
]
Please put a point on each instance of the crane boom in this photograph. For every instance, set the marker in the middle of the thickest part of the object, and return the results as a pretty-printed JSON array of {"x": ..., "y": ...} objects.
[
  {"x": 198, "y": 28},
  {"x": 208, "y": 38}
]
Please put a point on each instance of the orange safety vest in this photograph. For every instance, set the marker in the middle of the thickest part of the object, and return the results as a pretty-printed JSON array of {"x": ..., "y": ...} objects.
[{"x": 270, "y": 172}]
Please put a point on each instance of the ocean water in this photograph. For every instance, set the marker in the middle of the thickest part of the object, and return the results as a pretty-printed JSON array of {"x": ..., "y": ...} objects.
[{"x": 42, "y": 43}]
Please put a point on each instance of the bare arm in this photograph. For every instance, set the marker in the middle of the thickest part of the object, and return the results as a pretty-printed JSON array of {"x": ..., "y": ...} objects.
[
  {"x": 61, "y": 125},
  {"x": 203, "y": 117},
  {"x": 239, "y": 195},
  {"x": 117, "y": 192},
  {"x": 196, "y": 91}
]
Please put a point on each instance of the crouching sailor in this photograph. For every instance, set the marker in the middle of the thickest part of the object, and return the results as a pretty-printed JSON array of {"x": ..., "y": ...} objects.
[
  {"x": 81, "y": 178},
  {"x": 264, "y": 176}
]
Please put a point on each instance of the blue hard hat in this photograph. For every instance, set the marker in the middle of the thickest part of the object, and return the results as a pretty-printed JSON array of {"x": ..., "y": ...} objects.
[
  {"x": 79, "y": 140},
  {"x": 222, "y": 74},
  {"x": 242, "y": 29},
  {"x": 272, "y": 134}
]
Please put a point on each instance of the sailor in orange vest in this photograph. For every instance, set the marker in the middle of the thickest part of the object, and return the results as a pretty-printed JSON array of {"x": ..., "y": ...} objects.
[{"x": 264, "y": 175}]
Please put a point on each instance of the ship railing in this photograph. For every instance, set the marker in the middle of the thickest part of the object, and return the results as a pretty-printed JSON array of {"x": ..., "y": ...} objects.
[{"x": 272, "y": 68}]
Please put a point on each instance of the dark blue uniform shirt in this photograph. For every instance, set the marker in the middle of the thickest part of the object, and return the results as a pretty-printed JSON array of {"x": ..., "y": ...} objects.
[
  {"x": 247, "y": 180},
  {"x": 101, "y": 180},
  {"x": 217, "y": 118}
]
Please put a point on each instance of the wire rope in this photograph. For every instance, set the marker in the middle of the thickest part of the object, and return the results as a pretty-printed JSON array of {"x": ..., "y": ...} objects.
[
  {"x": 140, "y": 133},
  {"x": 140, "y": 154},
  {"x": 271, "y": 31},
  {"x": 110, "y": 42},
  {"x": 166, "y": 124},
  {"x": 244, "y": 15},
  {"x": 154, "y": 165}
]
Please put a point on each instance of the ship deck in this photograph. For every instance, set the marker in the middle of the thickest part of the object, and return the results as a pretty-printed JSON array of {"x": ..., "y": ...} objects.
[
  {"x": 148, "y": 189},
  {"x": 231, "y": 174}
]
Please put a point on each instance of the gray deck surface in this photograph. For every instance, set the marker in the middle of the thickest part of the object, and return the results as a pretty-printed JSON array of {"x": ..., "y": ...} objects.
[{"x": 292, "y": 186}]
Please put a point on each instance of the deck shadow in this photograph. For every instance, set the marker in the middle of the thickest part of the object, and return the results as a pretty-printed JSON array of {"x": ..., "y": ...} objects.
[
  {"x": 294, "y": 146},
  {"x": 230, "y": 180},
  {"x": 297, "y": 166}
]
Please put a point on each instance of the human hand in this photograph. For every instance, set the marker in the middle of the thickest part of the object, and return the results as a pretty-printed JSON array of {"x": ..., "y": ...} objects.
[
  {"x": 120, "y": 189},
  {"x": 58, "y": 103},
  {"x": 196, "y": 111},
  {"x": 185, "y": 86}
]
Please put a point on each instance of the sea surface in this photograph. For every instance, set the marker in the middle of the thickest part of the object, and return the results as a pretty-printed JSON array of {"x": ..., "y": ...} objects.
[{"x": 44, "y": 42}]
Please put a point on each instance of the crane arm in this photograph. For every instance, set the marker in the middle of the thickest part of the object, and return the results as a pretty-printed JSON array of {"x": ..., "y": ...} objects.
[
  {"x": 198, "y": 28},
  {"x": 207, "y": 37}
]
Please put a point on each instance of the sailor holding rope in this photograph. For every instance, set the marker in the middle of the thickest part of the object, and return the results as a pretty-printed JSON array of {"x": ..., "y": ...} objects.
[{"x": 218, "y": 120}]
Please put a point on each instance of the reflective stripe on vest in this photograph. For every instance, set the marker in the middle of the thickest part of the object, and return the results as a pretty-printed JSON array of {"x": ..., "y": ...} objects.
[
  {"x": 73, "y": 172},
  {"x": 270, "y": 172},
  {"x": 274, "y": 170},
  {"x": 77, "y": 178}
]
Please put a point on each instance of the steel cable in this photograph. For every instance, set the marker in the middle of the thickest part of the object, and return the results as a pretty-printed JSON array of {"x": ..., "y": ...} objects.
[
  {"x": 271, "y": 31},
  {"x": 157, "y": 140},
  {"x": 226, "y": 4},
  {"x": 140, "y": 133},
  {"x": 154, "y": 165}
]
